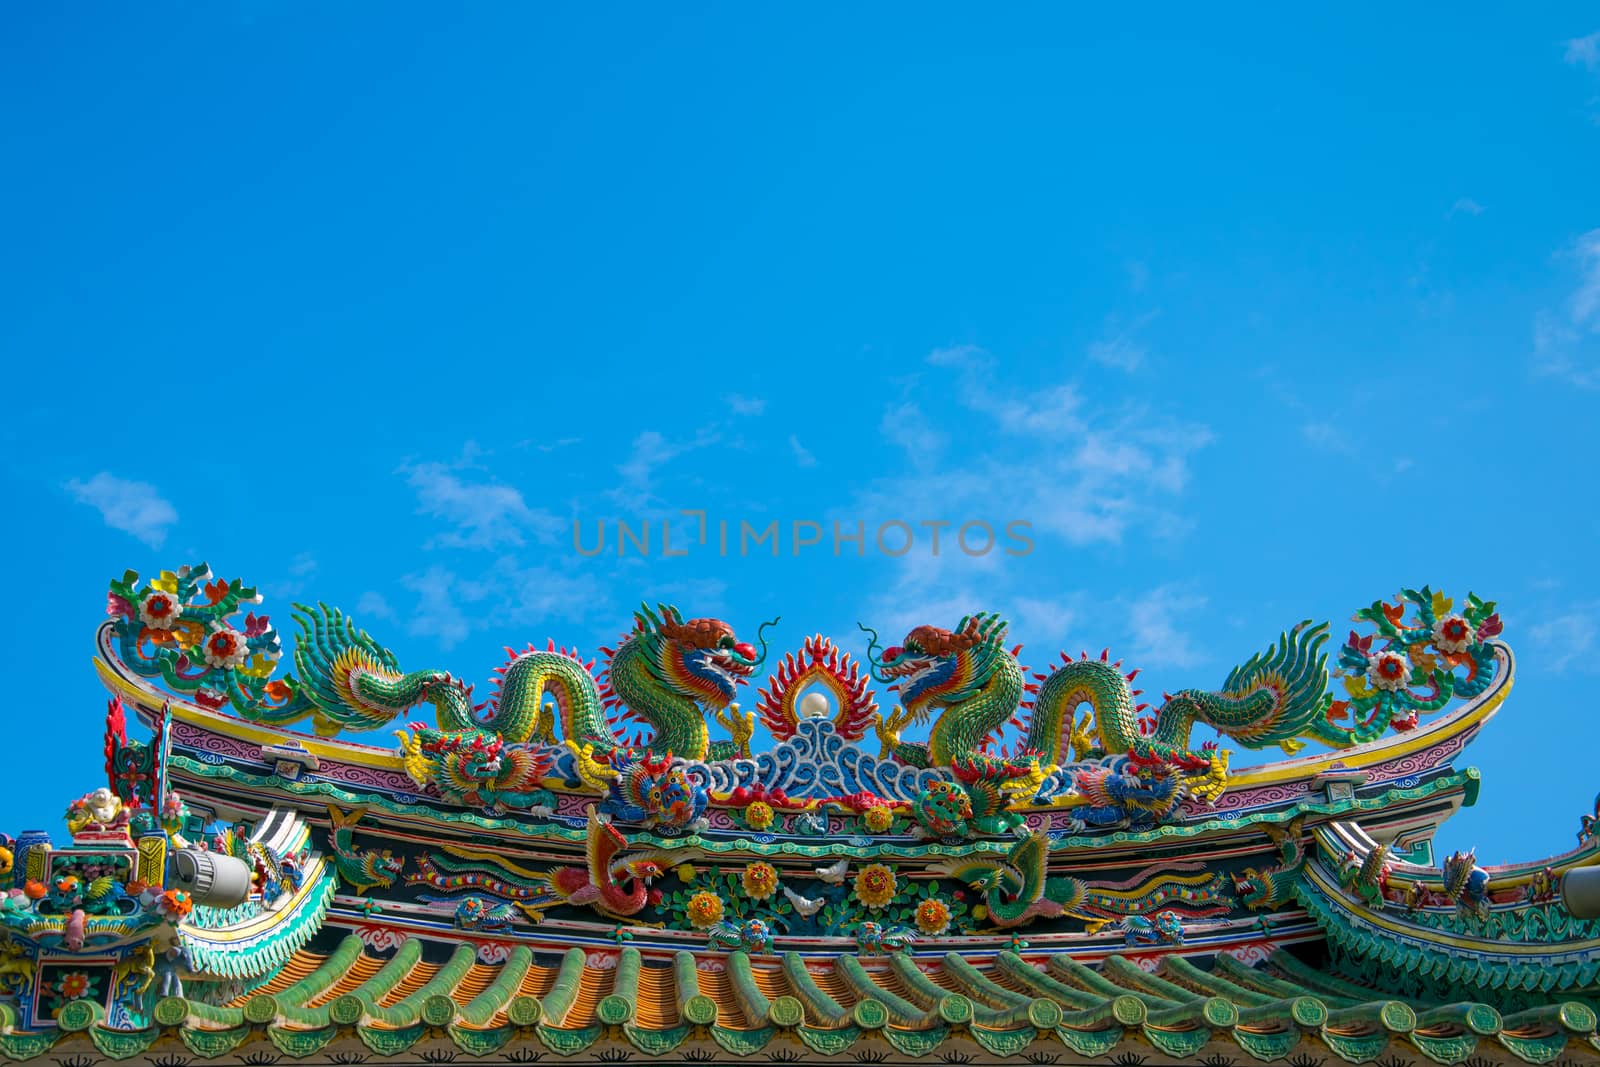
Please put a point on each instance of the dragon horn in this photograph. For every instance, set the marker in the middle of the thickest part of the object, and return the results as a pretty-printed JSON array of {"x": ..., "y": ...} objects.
[
  {"x": 646, "y": 618},
  {"x": 761, "y": 635},
  {"x": 872, "y": 649}
]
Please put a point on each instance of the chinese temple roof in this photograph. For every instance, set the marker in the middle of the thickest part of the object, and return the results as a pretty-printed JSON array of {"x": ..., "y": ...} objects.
[{"x": 1006, "y": 864}]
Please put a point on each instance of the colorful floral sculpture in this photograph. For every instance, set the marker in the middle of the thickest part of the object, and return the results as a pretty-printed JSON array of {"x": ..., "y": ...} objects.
[{"x": 1390, "y": 685}]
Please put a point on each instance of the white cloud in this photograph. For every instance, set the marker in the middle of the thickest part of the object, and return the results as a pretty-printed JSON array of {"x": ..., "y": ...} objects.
[
  {"x": 564, "y": 442},
  {"x": 1327, "y": 437},
  {"x": 1564, "y": 344},
  {"x": 1153, "y": 621},
  {"x": 1584, "y": 51},
  {"x": 1464, "y": 206},
  {"x": 522, "y": 595},
  {"x": 136, "y": 508},
  {"x": 1122, "y": 353},
  {"x": 484, "y": 514},
  {"x": 1119, "y": 346},
  {"x": 905, "y": 425},
  {"x": 1586, "y": 301},
  {"x": 802, "y": 455},
  {"x": 1038, "y": 412},
  {"x": 746, "y": 405},
  {"x": 1042, "y": 621},
  {"x": 652, "y": 450},
  {"x": 374, "y": 606},
  {"x": 1569, "y": 640},
  {"x": 1083, "y": 475},
  {"x": 436, "y": 615}
]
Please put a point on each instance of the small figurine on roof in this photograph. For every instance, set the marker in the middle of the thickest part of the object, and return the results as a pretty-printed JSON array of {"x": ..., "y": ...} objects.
[{"x": 98, "y": 816}]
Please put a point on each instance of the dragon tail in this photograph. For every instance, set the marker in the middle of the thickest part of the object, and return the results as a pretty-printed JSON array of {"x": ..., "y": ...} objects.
[
  {"x": 344, "y": 822},
  {"x": 355, "y": 683},
  {"x": 1277, "y": 697}
]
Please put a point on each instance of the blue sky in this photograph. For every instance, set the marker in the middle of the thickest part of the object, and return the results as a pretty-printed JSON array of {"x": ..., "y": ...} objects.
[{"x": 1252, "y": 320}]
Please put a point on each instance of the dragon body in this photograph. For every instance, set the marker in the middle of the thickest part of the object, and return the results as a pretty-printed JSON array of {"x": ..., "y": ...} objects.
[
  {"x": 975, "y": 684},
  {"x": 1017, "y": 889},
  {"x": 671, "y": 674}
]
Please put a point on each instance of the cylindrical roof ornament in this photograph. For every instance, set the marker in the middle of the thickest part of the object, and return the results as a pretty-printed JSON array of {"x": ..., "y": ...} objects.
[
  {"x": 1580, "y": 892},
  {"x": 212, "y": 880}
]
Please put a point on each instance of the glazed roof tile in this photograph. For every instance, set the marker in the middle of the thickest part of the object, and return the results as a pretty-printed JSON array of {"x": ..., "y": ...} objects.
[{"x": 669, "y": 1006}]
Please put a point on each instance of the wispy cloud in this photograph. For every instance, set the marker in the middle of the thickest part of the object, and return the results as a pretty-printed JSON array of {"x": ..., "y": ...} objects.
[
  {"x": 1119, "y": 346},
  {"x": 559, "y": 443},
  {"x": 437, "y": 613},
  {"x": 1464, "y": 206},
  {"x": 652, "y": 450},
  {"x": 802, "y": 455},
  {"x": 905, "y": 425},
  {"x": 746, "y": 405},
  {"x": 1154, "y": 620},
  {"x": 1564, "y": 339},
  {"x": 136, "y": 508},
  {"x": 1569, "y": 641},
  {"x": 373, "y": 605},
  {"x": 1080, "y": 475},
  {"x": 1327, "y": 437},
  {"x": 1584, "y": 51},
  {"x": 301, "y": 570},
  {"x": 484, "y": 514}
]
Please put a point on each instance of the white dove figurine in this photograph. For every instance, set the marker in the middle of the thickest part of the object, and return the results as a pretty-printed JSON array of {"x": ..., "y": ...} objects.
[
  {"x": 833, "y": 874},
  {"x": 806, "y": 906}
]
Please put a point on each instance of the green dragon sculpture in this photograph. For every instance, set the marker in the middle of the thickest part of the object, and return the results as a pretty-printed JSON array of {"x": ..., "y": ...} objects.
[
  {"x": 977, "y": 686},
  {"x": 1366, "y": 877},
  {"x": 360, "y": 869},
  {"x": 668, "y": 673},
  {"x": 1262, "y": 890}
]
